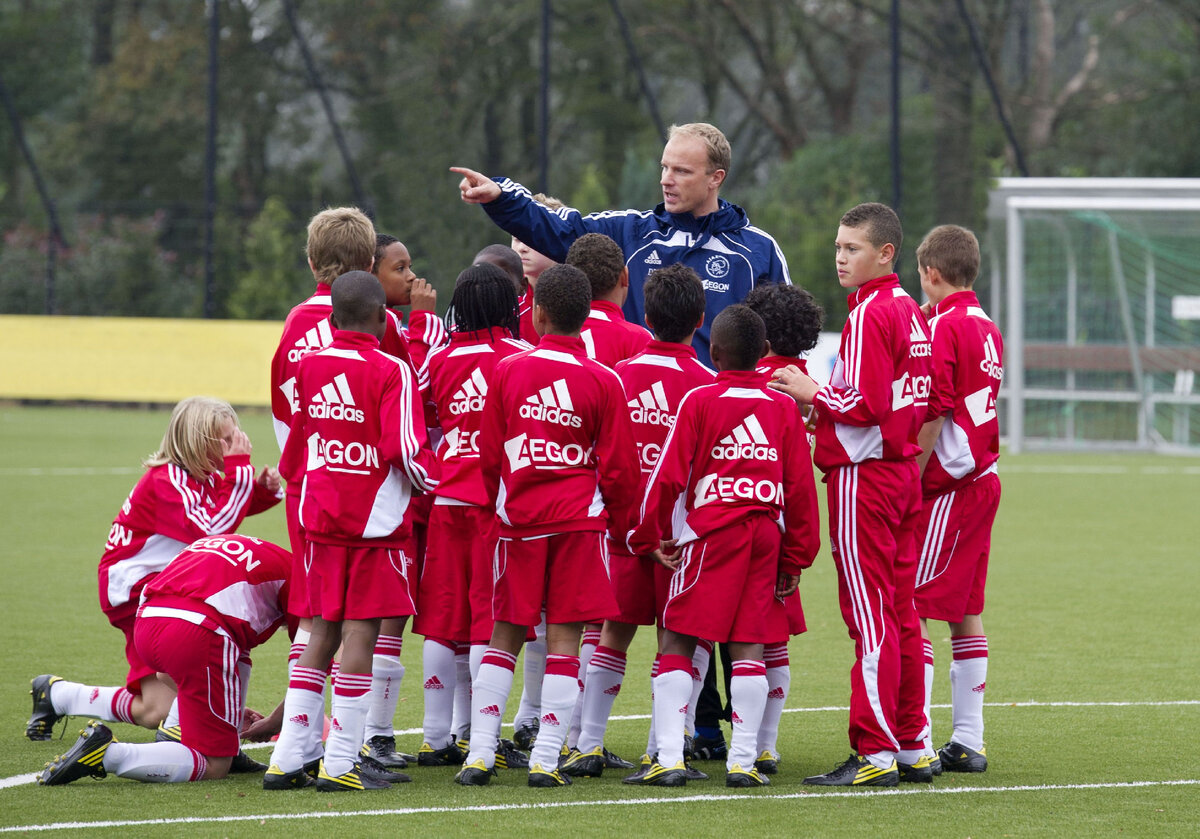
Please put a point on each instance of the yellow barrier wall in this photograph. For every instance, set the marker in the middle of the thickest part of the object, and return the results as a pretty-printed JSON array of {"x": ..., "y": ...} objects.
[{"x": 136, "y": 359}]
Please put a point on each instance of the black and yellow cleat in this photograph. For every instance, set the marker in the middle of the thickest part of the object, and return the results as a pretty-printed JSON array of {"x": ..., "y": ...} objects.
[
  {"x": 450, "y": 755},
  {"x": 920, "y": 772},
  {"x": 642, "y": 768},
  {"x": 170, "y": 734},
  {"x": 42, "y": 720},
  {"x": 508, "y": 756},
  {"x": 956, "y": 757},
  {"x": 85, "y": 759},
  {"x": 526, "y": 734},
  {"x": 767, "y": 763},
  {"x": 383, "y": 749},
  {"x": 612, "y": 761},
  {"x": 540, "y": 777},
  {"x": 657, "y": 775},
  {"x": 857, "y": 771},
  {"x": 276, "y": 779},
  {"x": 370, "y": 767},
  {"x": 736, "y": 776},
  {"x": 474, "y": 775},
  {"x": 585, "y": 765},
  {"x": 353, "y": 781}
]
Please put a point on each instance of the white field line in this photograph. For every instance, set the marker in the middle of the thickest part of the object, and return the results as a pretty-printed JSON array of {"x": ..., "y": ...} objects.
[{"x": 629, "y": 802}]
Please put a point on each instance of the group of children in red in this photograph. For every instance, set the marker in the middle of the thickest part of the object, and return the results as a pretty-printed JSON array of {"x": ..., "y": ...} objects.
[{"x": 544, "y": 467}]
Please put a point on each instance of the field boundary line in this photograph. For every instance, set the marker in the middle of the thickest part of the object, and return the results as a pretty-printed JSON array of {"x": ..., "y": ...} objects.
[{"x": 612, "y": 802}]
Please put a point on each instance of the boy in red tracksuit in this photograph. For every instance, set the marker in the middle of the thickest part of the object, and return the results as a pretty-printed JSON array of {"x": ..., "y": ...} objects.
[
  {"x": 555, "y": 454},
  {"x": 733, "y": 501},
  {"x": 793, "y": 320},
  {"x": 868, "y": 417},
  {"x": 198, "y": 620},
  {"x": 358, "y": 445},
  {"x": 960, "y": 444},
  {"x": 609, "y": 338},
  {"x": 655, "y": 382},
  {"x": 455, "y": 604}
]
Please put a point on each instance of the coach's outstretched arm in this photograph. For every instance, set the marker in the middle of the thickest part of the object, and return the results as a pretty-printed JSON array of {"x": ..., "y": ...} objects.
[{"x": 476, "y": 188}]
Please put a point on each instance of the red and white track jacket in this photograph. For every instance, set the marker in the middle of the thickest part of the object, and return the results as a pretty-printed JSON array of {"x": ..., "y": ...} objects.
[
  {"x": 968, "y": 354},
  {"x": 237, "y": 583},
  {"x": 167, "y": 510},
  {"x": 555, "y": 443},
  {"x": 357, "y": 443},
  {"x": 459, "y": 379},
  {"x": 875, "y": 401},
  {"x": 736, "y": 448},
  {"x": 610, "y": 338},
  {"x": 528, "y": 333}
]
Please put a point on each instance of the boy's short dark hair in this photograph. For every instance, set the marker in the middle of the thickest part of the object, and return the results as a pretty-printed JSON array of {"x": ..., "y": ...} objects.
[
  {"x": 601, "y": 258},
  {"x": 356, "y": 298},
  {"x": 382, "y": 242},
  {"x": 739, "y": 333},
  {"x": 484, "y": 297},
  {"x": 674, "y": 298},
  {"x": 566, "y": 298},
  {"x": 507, "y": 259},
  {"x": 792, "y": 316},
  {"x": 954, "y": 251},
  {"x": 880, "y": 222}
]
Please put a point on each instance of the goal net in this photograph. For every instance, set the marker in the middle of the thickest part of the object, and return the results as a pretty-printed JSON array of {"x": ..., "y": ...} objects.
[{"x": 1096, "y": 285}]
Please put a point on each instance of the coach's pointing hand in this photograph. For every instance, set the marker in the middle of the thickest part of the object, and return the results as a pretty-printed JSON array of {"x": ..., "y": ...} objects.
[{"x": 476, "y": 188}]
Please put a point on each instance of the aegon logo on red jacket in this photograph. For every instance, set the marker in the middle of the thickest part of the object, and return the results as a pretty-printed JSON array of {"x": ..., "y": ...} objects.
[{"x": 524, "y": 450}]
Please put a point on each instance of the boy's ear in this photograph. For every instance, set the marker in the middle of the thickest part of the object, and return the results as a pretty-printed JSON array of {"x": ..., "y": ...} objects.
[
  {"x": 888, "y": 252},
  {"x": 623, "y": 280},
  {"x": 646, "y": 320},
  {"x": 766, "y": 349},
  {"x": 333, "y": 321},
  {"x": 699, "y": 323}
]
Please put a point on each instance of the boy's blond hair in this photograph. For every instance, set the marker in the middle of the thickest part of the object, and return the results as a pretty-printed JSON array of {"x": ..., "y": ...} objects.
[
  {"x": 953, "y": 251},
  {"x": 193, "y": 437},
  {"x": 548, "y": 201},
  {"x": 340, "y": 239},
  {"x": 720, "y": 155}
]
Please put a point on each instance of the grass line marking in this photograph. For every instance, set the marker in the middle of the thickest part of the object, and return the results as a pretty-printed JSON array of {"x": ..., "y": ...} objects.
[{"x": 612, "y": 802}]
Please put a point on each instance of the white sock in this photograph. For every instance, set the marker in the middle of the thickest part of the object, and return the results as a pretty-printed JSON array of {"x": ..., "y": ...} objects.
[
  {"x": 560, "y": 693},
  {"x": 441, "y": 674},
  {"x": 606, "y": 672},
  {"x": 968, "y": 682},
  {"x": 475, "y": 658},
  {"x": 881, "y": 760},
  {"x": 172, "y": 719},
  {"x": 700, "y": 658},
  {"x": 460, "y": 721},
  {"x": 387, "y": 674},
  {"x": 929, "y": 750},
  {"x": 489, "y": 695},
  {"x": 672, "y": 688},
  {"x": 111, "y": 704},
  {"x": 591, "y": 639},
  {"x": 156, "y": 763},
  {"x": 531, "y": 688},
  {"x": 303, "y": 719},
  {"x": 748, "y": 696},
  {"x": 652, "y": 734},
  {"x": 779, "y": 681},
  {"x": 347, "y": 721}
]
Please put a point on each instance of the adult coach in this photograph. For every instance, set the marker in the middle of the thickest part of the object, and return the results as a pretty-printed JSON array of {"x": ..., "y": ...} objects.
[{"x": 692, "y": 225}]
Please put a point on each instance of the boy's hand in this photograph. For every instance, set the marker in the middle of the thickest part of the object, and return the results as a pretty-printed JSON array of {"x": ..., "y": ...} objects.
[
  {"x": 667, "y": 554},
  {"x": 424, "y": 296},
  {"x": 927, "y": 310},
  {"x": 476, "y": 188},
  {"x": 262, "y": 729},
  {"x": 238, "y": 443},
  {"x": 268, "y": 479},
  {"x": 786, "y": 584},
  {"x": 795, "y": 384}
]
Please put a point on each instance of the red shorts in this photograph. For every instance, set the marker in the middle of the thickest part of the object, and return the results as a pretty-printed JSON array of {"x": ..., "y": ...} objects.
[
  {"x": 794, "y": 610},
  {"x": 956, "y": 529},
  {"x": 297, "y": 604},
  {"x": 357, "y": 583},
  {"x": 566, "y": 573},
  {"x": 456, "y": 579},
  {"x": 204, "y": 664},
  {"x": 138, "y": 668},
  {"x": 639, "y": 585},
  {"x": 724, "y": 589}
]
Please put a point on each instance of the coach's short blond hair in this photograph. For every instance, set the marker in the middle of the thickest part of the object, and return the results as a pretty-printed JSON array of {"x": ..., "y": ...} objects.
[
  {"x": 340, "y": 239},
  {"x": 720, "y": 156},
  {"x": 953, "y": 251},
  {"x": 193, "y": 437}
]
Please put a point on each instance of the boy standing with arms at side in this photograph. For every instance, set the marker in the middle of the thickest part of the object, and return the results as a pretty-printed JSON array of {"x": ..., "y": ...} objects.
[
  {"x": 868, "y": 416},
  {"x": 734, "y": 491},
  {"x": 555, "y": 454},
  {"x": 358, "y": 444},
  {"x": 960, "y": 444}
]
